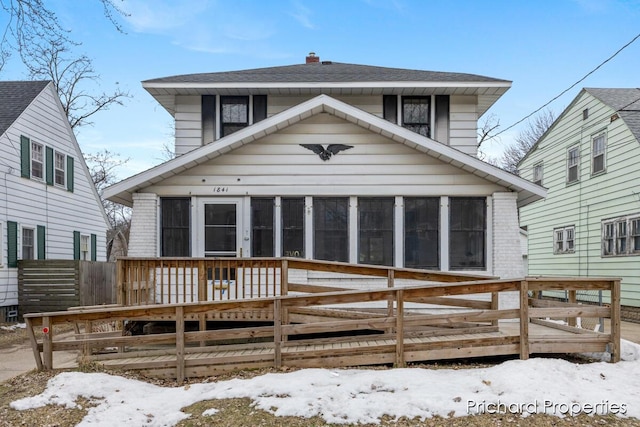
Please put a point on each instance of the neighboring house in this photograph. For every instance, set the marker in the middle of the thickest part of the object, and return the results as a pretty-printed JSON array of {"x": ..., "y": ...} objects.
[
  {"x": 589, "y": 224},
  {"x": 329, "y": 161},
  {"x": 49, "y": 208}
]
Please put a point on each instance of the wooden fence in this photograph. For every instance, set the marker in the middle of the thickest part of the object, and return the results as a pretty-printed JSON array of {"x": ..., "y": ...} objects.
[{"x": 53, "y": 285}]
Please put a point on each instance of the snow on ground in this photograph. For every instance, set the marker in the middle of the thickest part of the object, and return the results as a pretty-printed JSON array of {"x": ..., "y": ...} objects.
[
  {"x": 14, "y": 327},
  {"x": 551, "y": 386}
]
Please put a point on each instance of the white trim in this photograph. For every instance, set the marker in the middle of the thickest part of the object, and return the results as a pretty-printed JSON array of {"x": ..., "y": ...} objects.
[
  {"x": 444, "y": 233},
  {"x": 121, "y": 192},
  {"x": 244, "y": 228},
  {"x": 33, "y": 228},
  {"x": 277, "y": 226},
  {"x": 432, "y": 117},
  {"x": 197, "y": 245},
  {"x": 328, "y": 85},
  {"x": 353, "y": 229},
  {"x": 398, "y": 227},
  {"x": 308, "y": 227},
  {"x": 489, "y": 230}
]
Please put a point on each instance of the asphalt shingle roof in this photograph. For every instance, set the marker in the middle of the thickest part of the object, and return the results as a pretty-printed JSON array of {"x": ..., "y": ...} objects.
[
  {"x": 626, "y": 101},
  {"x": 325, "y": 71},
  {"x": 15, "y": 96}
]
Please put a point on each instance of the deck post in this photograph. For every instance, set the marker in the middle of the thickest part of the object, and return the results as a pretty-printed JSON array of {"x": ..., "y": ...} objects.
[
  {"x": 121, "y": 296},
  {"x": 284, "y": 290},
  {"x": 34, "y": 343},
  {"x": 180, "y": 344},
  {"x": 615, "y": 321},
  {"x": 400, "y": 362},
  {"x": 495, "y": 305},
  {"x": 524, "y": 320},
  {"x": 572, "y": 295},
  {"x": 390, "y": 284},
  {"x": 202, "y": 297},
  {"x": 277, "y": 332},
  {"x": 47, "y": 343}
]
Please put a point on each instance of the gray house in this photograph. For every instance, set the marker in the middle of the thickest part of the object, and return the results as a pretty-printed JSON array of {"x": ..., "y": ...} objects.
[
  {"x": 49, "y": 208},
  {"x": 589, "y": 223}
]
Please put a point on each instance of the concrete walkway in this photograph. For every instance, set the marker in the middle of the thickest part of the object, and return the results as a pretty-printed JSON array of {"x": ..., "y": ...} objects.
[{"x": 19, "y": 359}]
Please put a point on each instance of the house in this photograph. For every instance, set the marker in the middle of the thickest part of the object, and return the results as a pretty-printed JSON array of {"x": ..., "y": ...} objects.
[
  {"x": 49, "y": 208},
  {"x": 330, "y": 161},
  {"x": 589, "y": 224}
]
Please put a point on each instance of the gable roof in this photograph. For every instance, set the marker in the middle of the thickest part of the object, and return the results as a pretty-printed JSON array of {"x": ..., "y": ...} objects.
[
  {"x": 626, "y": 102},
  {"x": 15, "y": 97},
  {"x": 330, "y": 78},
  {"x": 527, "y": 191}
]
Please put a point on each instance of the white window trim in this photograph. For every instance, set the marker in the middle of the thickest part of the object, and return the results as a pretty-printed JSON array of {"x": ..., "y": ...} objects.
[
  {"x": 43, "y": 161},
  {"x": 85, "y": 252},
  {"x": 538, "y": 167},
  {"x": 604, "y": 153},
  {"x": 21, "y": 229},
  {"x": 565, "y": 234},
  {"x": 628, "y": 220},
  {"x": 577, "y": 165},
  {"x": 64, "y": 169}
]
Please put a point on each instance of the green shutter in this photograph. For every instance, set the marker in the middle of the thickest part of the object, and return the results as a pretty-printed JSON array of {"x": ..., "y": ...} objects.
[
  {"x": 42, "y": 246},
  {"x": 76, "y": 245},
  {"x": 70, "y": 173},
  {"x": 94, "y": 247},
  {"x": 25, "y": 157},
  {"x": 49, "y": 165},
  {"x": 12, "y": 244}
]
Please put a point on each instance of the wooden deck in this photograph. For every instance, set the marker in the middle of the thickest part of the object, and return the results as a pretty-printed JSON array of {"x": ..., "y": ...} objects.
[{"x": 319, "y": 326}]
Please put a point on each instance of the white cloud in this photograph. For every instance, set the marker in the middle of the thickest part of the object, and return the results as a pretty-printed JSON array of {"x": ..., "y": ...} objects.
[
  {"x": 159, "y": 16},
  {"x": 302, "y": 14}
]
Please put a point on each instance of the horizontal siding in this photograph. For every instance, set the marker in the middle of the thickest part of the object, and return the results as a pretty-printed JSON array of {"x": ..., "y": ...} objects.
[
  {"x": 463, "y": 118},
  {"x": 585, "y": 203},
  {"x": 188, "y": 123},
  {"x": 278, "y": 165}
]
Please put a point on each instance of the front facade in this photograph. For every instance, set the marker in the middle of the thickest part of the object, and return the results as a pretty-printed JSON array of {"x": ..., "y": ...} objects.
[
  {"x": 589, "y": 224},
  {"x": 329, "y": 161},
  {"x": 49, "y": 208}
]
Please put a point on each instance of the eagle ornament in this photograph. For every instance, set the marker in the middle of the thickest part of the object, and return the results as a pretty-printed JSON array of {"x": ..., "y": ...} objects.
[{"x": 326, "y": 153}]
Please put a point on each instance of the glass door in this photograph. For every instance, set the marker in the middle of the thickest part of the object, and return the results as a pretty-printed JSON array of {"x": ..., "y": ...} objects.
[{"x": 221, "y": 237}]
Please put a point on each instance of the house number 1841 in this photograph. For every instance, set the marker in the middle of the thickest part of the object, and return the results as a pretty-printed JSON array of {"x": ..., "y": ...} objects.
[{"x": 220, "y": 189}]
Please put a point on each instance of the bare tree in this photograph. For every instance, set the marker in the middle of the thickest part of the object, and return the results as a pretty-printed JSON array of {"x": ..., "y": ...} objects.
[
  {"x": 29, "y": 22},
  {"x": 525, "y": 140},
  {"x": 489, "y": 124},
  {"x": 51, "y": 60}
]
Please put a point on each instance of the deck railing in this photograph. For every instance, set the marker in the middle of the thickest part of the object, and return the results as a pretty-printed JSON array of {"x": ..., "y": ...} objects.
[{"x": 307, "y": 329}]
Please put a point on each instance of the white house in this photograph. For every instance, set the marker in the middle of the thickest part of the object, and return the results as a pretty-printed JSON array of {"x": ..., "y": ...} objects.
[
  {"x": 49, "y": 208},
  {"x": 331, "y": 161},
  {"x": 589, "y": 224}
]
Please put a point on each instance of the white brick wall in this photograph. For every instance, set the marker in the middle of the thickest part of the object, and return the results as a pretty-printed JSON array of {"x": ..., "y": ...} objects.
[
  {"x": 144, "y": 226},
  {"x": 507, "y": 252}
]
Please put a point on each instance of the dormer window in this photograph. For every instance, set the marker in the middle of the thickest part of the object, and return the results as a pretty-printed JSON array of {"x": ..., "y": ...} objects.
[
  {"x": 416, "y": 115},
  {"x": 37, "y": 161}
]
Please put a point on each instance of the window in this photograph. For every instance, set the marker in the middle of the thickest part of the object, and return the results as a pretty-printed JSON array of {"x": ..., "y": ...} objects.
[
  {"x": 573, "y": 160},
  {"x": 416, "y": 114},
  {"x": 331, "y": 228},
  {"x": 175, "y": 220},
  {"x": 292, "y": 227},
  {"x": 234, "y": 114},
  {"x": 375, "y": 230},
  {"x": 598, "y": 153},
  {"x": 564, "y": 240},
  {"x": 37, "y": 160},
  {"x": 621, "y": 236},
  {"x": 28, "y": 242},
  {"x": 467, "y": 233},
  {"x": 537, "y": 174},
  {"x": 60, "y": 163},
  {"x": 262, "y": 237},
  {"x": 421, "y": 232},
  {"x": 585, "y": 114},
  {"x": 84, "y": 248}
]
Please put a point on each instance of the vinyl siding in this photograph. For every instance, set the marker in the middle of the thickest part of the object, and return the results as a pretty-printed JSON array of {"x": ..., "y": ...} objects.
[
  {"x": 587, "y": 202},
  {"x": 32, "y": 203}
]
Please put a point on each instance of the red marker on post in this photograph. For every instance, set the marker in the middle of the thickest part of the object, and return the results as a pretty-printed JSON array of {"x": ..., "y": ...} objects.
[{"x": 45, "y": 330}]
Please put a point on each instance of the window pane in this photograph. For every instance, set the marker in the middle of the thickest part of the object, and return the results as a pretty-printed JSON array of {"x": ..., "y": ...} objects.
[
  {"x": 59, "y": 168},
  {"x": 467, "y": 217},
  {"x": 331, "y": 228},
  {"x": 220, "y": 227},
  {"x": 27, "y": 243},
  {"x": 635, "y": 233},
  {"x": 415, "y": 114},
  {"x": 37, "y": 165},
  {"x": 421, "y": 232},
  {"x": 176, "y": 228},
  {"x": 598, "y": 153},
  {"x": 293, "y": 227},
  {"x": 375, "y": 243},
  {"x": 262, "y": 239},
  {"x": 234, "y": 114}
]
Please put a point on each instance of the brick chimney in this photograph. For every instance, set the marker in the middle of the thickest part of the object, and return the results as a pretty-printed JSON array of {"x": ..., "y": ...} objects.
[{"x": 311, "y": 58}]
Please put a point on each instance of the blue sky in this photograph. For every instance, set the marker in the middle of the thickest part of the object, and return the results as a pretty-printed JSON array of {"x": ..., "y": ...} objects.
[{"x": 543, "y": 46}]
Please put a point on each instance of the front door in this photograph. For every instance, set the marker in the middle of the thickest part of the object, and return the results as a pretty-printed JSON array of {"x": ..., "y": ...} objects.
[{"x": 220, "y": 228}]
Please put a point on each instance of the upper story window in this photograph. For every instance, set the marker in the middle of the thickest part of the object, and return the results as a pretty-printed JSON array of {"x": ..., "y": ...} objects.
[
  {"x": 537, "y": 174},
  {"x": 621, "y": 236},
  {"x": 598, "y": 153},
  {"x": 573, "y": 163},
  {"x": 564, "y": 239},
  {"x": 37, "y": 160},
  {"x": 416, "y": 114},
  {"x": 60, "y": 168},
  {"x": 234, "y": 114}
]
